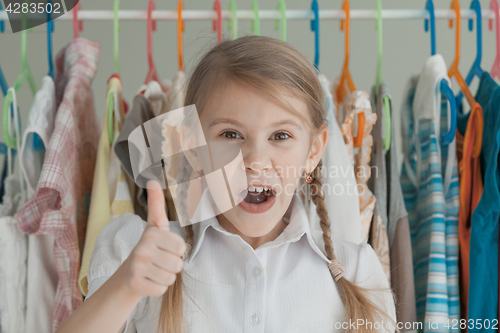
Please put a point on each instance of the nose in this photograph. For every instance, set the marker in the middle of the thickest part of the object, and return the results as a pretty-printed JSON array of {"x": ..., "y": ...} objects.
[{"x": 256, "y": 158}]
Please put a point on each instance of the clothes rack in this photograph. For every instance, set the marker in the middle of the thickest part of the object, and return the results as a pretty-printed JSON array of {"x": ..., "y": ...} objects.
[{"x": 326, "y": 14}]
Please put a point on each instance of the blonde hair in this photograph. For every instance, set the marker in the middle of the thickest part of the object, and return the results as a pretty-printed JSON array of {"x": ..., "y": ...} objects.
[{"x": 271, "y": 67}]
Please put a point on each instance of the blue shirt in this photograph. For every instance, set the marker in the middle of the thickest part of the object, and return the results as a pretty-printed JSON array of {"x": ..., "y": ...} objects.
[{"x": 483, "y": 285}]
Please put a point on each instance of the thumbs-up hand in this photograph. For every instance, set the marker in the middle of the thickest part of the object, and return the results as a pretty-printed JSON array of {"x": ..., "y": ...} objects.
[{"x": 155, "y": 261}]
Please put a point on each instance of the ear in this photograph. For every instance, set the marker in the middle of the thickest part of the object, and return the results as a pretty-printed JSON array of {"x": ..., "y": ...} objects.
[{"x": 318, "y": 145}]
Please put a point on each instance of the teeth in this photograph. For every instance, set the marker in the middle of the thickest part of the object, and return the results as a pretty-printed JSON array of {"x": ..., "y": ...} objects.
[
  {"x": 259, "y": 189},
  {"x": 251, "y": 189}
]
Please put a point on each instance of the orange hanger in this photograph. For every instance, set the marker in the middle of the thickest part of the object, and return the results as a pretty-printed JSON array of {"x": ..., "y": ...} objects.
[
  {"x": 180, "y": 30},
  {"x": 152, "y": 72},
  {"x": 476, "y": 115},
  {"x": 345, "y": 77}
]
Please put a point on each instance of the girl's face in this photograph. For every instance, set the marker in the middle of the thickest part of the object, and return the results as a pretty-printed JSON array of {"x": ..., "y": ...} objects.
[{"x": 277, "y": 149}]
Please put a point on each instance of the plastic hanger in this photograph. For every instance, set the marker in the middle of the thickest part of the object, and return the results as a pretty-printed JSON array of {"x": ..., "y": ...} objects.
[
  {"x": 386, "y": 103},
  {"x": 255, "y": 23},
  {"x": 152, "y": 72},
  {"x": 77, "y": 24},
  {"x": 3, "y": 82},
  {"x": 476, "y": 115},
  {"x": 232, "y": 24},
  {"x": 50, "y": 30},
  {"x": 110, "y": 107},
  {"x": 445, "y": 89},
  {"x": 315, "y": 28},
  {"x": 217, "y": 24},
  {"x": 495, "y": 69},
  {"x": 282, "y": 8},
  {"x": 476, "y": 66},
  {"x": 116, "y": 35},
  {"x": 26, "y": 74},
  {"x": 180, "y": 30},
  {"x": 345, "y": 77}
]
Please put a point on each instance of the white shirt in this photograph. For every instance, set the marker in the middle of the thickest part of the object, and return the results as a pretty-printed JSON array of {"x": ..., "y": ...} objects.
[{"x": 282, "y": 286}]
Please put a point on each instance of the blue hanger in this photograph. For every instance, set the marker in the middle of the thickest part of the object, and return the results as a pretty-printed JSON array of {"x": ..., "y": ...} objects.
[
  {"x": 3, "y": 82},
  {"x": 476, "y": 66},
  {"x": 445, "y": 89},
  {"x": 50, "y": 30},
  {"x": 315, "y": 28}
]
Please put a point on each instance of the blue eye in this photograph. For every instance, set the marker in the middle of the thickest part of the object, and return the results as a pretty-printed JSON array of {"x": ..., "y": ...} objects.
[
  {"x": 230, "y": 135},
  {"x": 280, "y": 136}
]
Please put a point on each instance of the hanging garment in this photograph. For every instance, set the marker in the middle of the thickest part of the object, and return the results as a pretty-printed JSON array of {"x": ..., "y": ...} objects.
[
  {"x": 101, "y": 200},
  {"x": 339, "y": 182},
  {"x": 60, "y": 204},
  {"x": 2, "y": 178},
  {"x": 13, "y": 245},
  {"x": 220, "y": 266},
  {"x": 347, "y": 111},
  {"x": 377, "y": 183},
  {"x": 471, "y": 188},
  {"x": 42, "y": 276},
  {"x": 390, "y": 202},
  {"x": 429, "y": 180},
  {"x": 13, "y": 255},
  {"x": 175, "y": 100},
  {"x": 483, "y": 264},
  {"x": 140, "y": 113}
]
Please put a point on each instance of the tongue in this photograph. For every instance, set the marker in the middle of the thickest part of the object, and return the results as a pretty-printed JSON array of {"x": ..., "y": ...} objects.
[{"x": 256, "y": 197}]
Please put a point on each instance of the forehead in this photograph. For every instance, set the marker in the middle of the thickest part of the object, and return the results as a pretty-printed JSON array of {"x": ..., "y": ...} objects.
[{"x": 250, "y": 108}]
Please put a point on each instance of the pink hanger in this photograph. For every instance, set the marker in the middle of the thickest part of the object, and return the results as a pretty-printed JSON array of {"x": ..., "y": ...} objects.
[
  {"x": 495, "y": 69},
  {"x": 152, "y": 73}
]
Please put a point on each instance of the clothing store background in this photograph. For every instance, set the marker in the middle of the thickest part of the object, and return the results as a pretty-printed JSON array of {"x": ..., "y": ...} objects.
[{"x": 406, "y": 46}]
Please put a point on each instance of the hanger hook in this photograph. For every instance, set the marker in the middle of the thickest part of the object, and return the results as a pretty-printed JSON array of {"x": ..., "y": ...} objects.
[
  {"x": 180, "y": 30},
  {"x": 429, "y": 6},
  {"x": 455, "y": 5},
  {"x": 378, "y": 28},
  {"x": 495, "y": 69},
  {"x": 255, "y": 23},
  {"x": 151, "y": 27},
  {"x": 475, "y": 5},
  {"x": 77, "y": 24},
  {"x": 315, "y": 28},
  {"x": 116, "y": 30},
  {"x": 345, "y": 26},
  {"x": 281, "y": 6},
  {"x": 232, "y": 24},
  {"x": 50, "y": 30},
  {"x": 217, "y": 24}
]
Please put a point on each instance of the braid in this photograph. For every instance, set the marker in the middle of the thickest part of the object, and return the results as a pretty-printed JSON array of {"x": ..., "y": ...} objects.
[{"x": 356, "y": 304}]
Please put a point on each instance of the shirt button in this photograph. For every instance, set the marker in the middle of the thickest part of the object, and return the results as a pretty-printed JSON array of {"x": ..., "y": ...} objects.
[
  {"x": 255, "y": 319},
  {"x": 256, "y": 271}
]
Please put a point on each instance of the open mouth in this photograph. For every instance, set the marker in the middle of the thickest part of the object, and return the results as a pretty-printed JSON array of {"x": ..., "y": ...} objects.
[{"x": 256, "y": 195}]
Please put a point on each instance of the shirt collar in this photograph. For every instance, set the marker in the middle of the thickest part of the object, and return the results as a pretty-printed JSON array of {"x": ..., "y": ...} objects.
[{"x": 298, "y": 225}]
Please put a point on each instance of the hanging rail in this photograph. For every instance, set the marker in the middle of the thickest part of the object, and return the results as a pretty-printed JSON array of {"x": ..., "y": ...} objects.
[{"x": 355, "y": 14}]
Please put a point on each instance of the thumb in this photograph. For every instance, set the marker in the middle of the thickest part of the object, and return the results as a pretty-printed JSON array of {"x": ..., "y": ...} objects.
[{"x": 157, "y": 215}]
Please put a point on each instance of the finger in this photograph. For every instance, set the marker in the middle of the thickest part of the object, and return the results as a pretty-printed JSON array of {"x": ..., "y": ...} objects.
[
  {"x": 157, "y": 215},
  {"x": 160, "y": 276},
  {"x": 171, "y": 242},
  {"x": 169, "y": 262}
]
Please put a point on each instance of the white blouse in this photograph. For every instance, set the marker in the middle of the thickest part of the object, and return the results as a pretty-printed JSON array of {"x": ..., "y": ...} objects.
[{"x": 282, "y": 286}]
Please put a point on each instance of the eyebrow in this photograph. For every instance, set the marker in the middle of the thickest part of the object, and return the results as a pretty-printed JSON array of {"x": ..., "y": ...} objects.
[{"x": 237, "y": 123}]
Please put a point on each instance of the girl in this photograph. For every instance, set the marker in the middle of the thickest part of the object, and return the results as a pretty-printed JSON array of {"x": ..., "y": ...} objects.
[{"x": 254, "y": 268}]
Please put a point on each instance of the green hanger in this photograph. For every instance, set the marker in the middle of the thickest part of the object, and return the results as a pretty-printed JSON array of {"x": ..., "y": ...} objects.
[
  {"x": 26, "y": 74},
  {"x": 116, "y": 30},
  {"x": 379, "y": 80},
  {"x": 233, "y": 23},
  {"x": 255, "y": 23},
  {"x": 282, "y": 8}
]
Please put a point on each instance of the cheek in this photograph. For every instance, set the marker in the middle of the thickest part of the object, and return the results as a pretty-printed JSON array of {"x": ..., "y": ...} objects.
[{"x": 290, "y": 166}]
